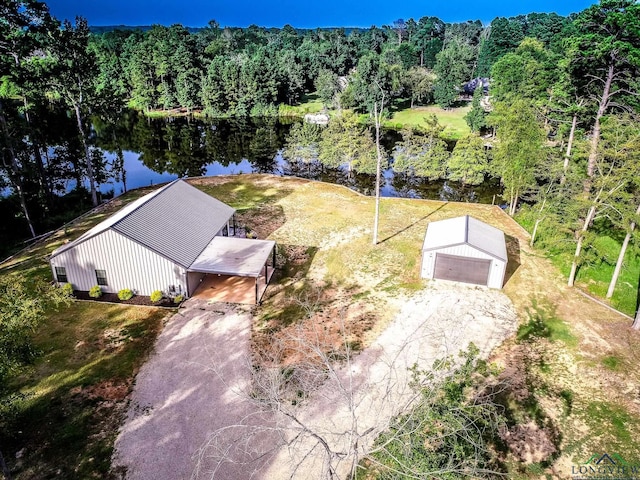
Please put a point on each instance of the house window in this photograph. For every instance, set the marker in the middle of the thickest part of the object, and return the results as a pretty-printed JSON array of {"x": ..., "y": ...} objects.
[
  {"x": 61, "y": 275},
  {"x": 101, "y": 277}
]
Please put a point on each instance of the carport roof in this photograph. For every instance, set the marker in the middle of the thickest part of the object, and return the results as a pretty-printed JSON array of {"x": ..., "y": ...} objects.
[
  {"x": 466, "y": 230},
  {"x": 241, "y": 257}
]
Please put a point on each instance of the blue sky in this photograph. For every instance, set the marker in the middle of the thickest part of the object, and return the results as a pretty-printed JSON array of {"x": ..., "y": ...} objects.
[{"x": 276, "y": 13}]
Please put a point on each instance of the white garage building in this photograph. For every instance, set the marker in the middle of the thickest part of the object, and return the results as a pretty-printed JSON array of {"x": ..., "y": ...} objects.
[{"x": 464, "y": 249}]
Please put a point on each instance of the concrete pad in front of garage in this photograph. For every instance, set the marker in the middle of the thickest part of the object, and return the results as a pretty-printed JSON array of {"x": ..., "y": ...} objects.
[{"x": 231, "y": 289}]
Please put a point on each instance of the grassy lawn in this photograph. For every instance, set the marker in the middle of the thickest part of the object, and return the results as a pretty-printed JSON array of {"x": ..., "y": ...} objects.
[
  {"x": 73, "y": 396},
  {"x": 599, "y": 259},
  {"x": 577, "y": 358},
  {"x": 310, "y": 103},
  {"x": 595, "y": 277},
  {"x": 69, "y": 403},
  {"x": 452, "y": 119}
]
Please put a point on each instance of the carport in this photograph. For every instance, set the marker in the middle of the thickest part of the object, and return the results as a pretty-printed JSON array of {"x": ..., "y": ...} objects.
[{"x": 233, "y": 269}]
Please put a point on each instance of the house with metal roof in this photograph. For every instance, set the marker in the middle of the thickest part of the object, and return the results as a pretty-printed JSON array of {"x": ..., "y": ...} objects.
[
  {"x": 167, "y": 240},
  {"x": 464, "y": 249}
]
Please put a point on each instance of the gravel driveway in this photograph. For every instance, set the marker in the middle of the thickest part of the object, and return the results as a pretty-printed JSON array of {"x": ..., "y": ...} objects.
[
  {"x": 194, "y": 385},
  {"x": 438, "y": 321}
]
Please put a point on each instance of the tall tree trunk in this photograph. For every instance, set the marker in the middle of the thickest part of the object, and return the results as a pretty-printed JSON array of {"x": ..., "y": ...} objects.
[
  {"x": 378, "y": 168},
  {"x": 4, "y": 469},
  {"x": 623, "y": 251},
  {"x": 37, "y": 154},
  {"x": 574, "y": 265},
  {"x": 595, "y": 136},
  {"x": 42, "y": 176},
  {"x": 16, "y": 175},
  {"x": 90, "y": 174},
  {"x": 124, "y": 178},
  {"x": 513, "y": 204},
  {"x": 567, "y": 154},
  {"x": 538, "y": 220}
]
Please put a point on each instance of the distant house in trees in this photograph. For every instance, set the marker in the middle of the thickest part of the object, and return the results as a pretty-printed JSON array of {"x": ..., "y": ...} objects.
[
  {"x": 481, "y": 82},
  {"x": 464, "y": 249},
  {"x": 168, "y": 240}
]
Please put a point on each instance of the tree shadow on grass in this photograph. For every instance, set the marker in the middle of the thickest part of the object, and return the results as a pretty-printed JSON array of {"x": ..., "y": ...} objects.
[
  {"x": 412, "y": 224},
  {"x": 290, "y": 279},
  {"x": 513, "y": 257},
  {"x": 262, "y": 221}
]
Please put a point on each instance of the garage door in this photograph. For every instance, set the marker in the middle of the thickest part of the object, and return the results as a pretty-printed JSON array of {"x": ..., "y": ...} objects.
[{"x": 462, "y": 269}]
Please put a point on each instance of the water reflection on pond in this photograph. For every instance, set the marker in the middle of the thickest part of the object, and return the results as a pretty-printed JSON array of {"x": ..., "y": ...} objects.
[{"x": 160, "y": 150}]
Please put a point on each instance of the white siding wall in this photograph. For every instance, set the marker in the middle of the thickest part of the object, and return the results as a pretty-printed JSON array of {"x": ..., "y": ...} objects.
[
  {"x": 128, "y": 265},
  {"x": 195, "y": 278},
  {"x": 496, "y": 273}
]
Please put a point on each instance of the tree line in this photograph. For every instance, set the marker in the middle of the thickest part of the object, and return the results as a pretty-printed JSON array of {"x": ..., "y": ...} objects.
[
  {"x": 563, "y": 112},
  {"x": 50, "y": 65},
  {"x": 561, "y": 105},
  {"x": 239, "y": 71}
]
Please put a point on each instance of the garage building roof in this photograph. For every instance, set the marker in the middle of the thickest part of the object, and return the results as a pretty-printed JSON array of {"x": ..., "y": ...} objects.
[{"x": 466, "y": 230}]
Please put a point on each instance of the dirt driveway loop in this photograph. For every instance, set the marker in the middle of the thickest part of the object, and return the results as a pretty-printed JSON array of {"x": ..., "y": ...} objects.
[{"x": 197, "y": 379}]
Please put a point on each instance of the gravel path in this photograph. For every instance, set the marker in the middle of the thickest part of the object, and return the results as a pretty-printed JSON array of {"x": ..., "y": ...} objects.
[{"x": 197, "y": 379}]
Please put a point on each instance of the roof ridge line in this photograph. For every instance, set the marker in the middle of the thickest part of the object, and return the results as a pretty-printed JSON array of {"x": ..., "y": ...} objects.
[
  {"x": 466, "y": 229},
  {"x": 85, "y": 236},
  {"x": 151, "y": 196}
]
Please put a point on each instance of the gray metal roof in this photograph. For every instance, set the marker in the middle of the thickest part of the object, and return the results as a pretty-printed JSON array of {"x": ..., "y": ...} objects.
[
  {"x": 466, "y": 230},
  {"x": 234, "y": 256},
  {"x": 177, "y": 221}
]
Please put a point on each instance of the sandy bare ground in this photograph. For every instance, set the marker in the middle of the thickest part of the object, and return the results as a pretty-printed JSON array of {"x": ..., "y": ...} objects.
[
  {"x": 439, "y": 321},
  {"x": 196, "y": 383}
]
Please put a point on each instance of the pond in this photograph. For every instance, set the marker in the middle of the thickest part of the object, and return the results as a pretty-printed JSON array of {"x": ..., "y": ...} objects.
[{"x": 159, "y": 150}]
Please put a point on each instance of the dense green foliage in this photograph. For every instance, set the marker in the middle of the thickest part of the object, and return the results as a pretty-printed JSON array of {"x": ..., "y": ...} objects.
[
  {"x": 564, "y": 103},
  {"x": 22, "y": 308},
  {"x": 156, "y": 296},
  {"x": 422, "y": 152},
  {"x": 556, "y": 85},
  {"x": 95, "y": 291},
  {"x": 450, "y": 431},
  {"x": 476, "y": 118},
  {"x": 125, "y": 294},
  {"x": 468, "y": 163}
]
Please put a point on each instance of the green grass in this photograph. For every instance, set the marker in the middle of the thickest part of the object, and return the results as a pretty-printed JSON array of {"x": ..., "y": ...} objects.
[
  {"x": 331, "y": 228},
  {"x": 595, "y": 276},
  {"x": 52, "y": 407},
  {"x": 452, "y": 119},
  {"x": 242, "y": 194},
  {"x": 86, "y": 349},
  {"x": 612, "y": 429},
  {"x": 309, "y": 103},
  {"x": 599, "y": 259},
  {"x": 543, "y": 323},
  {"x": 613, "y": 363}
]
